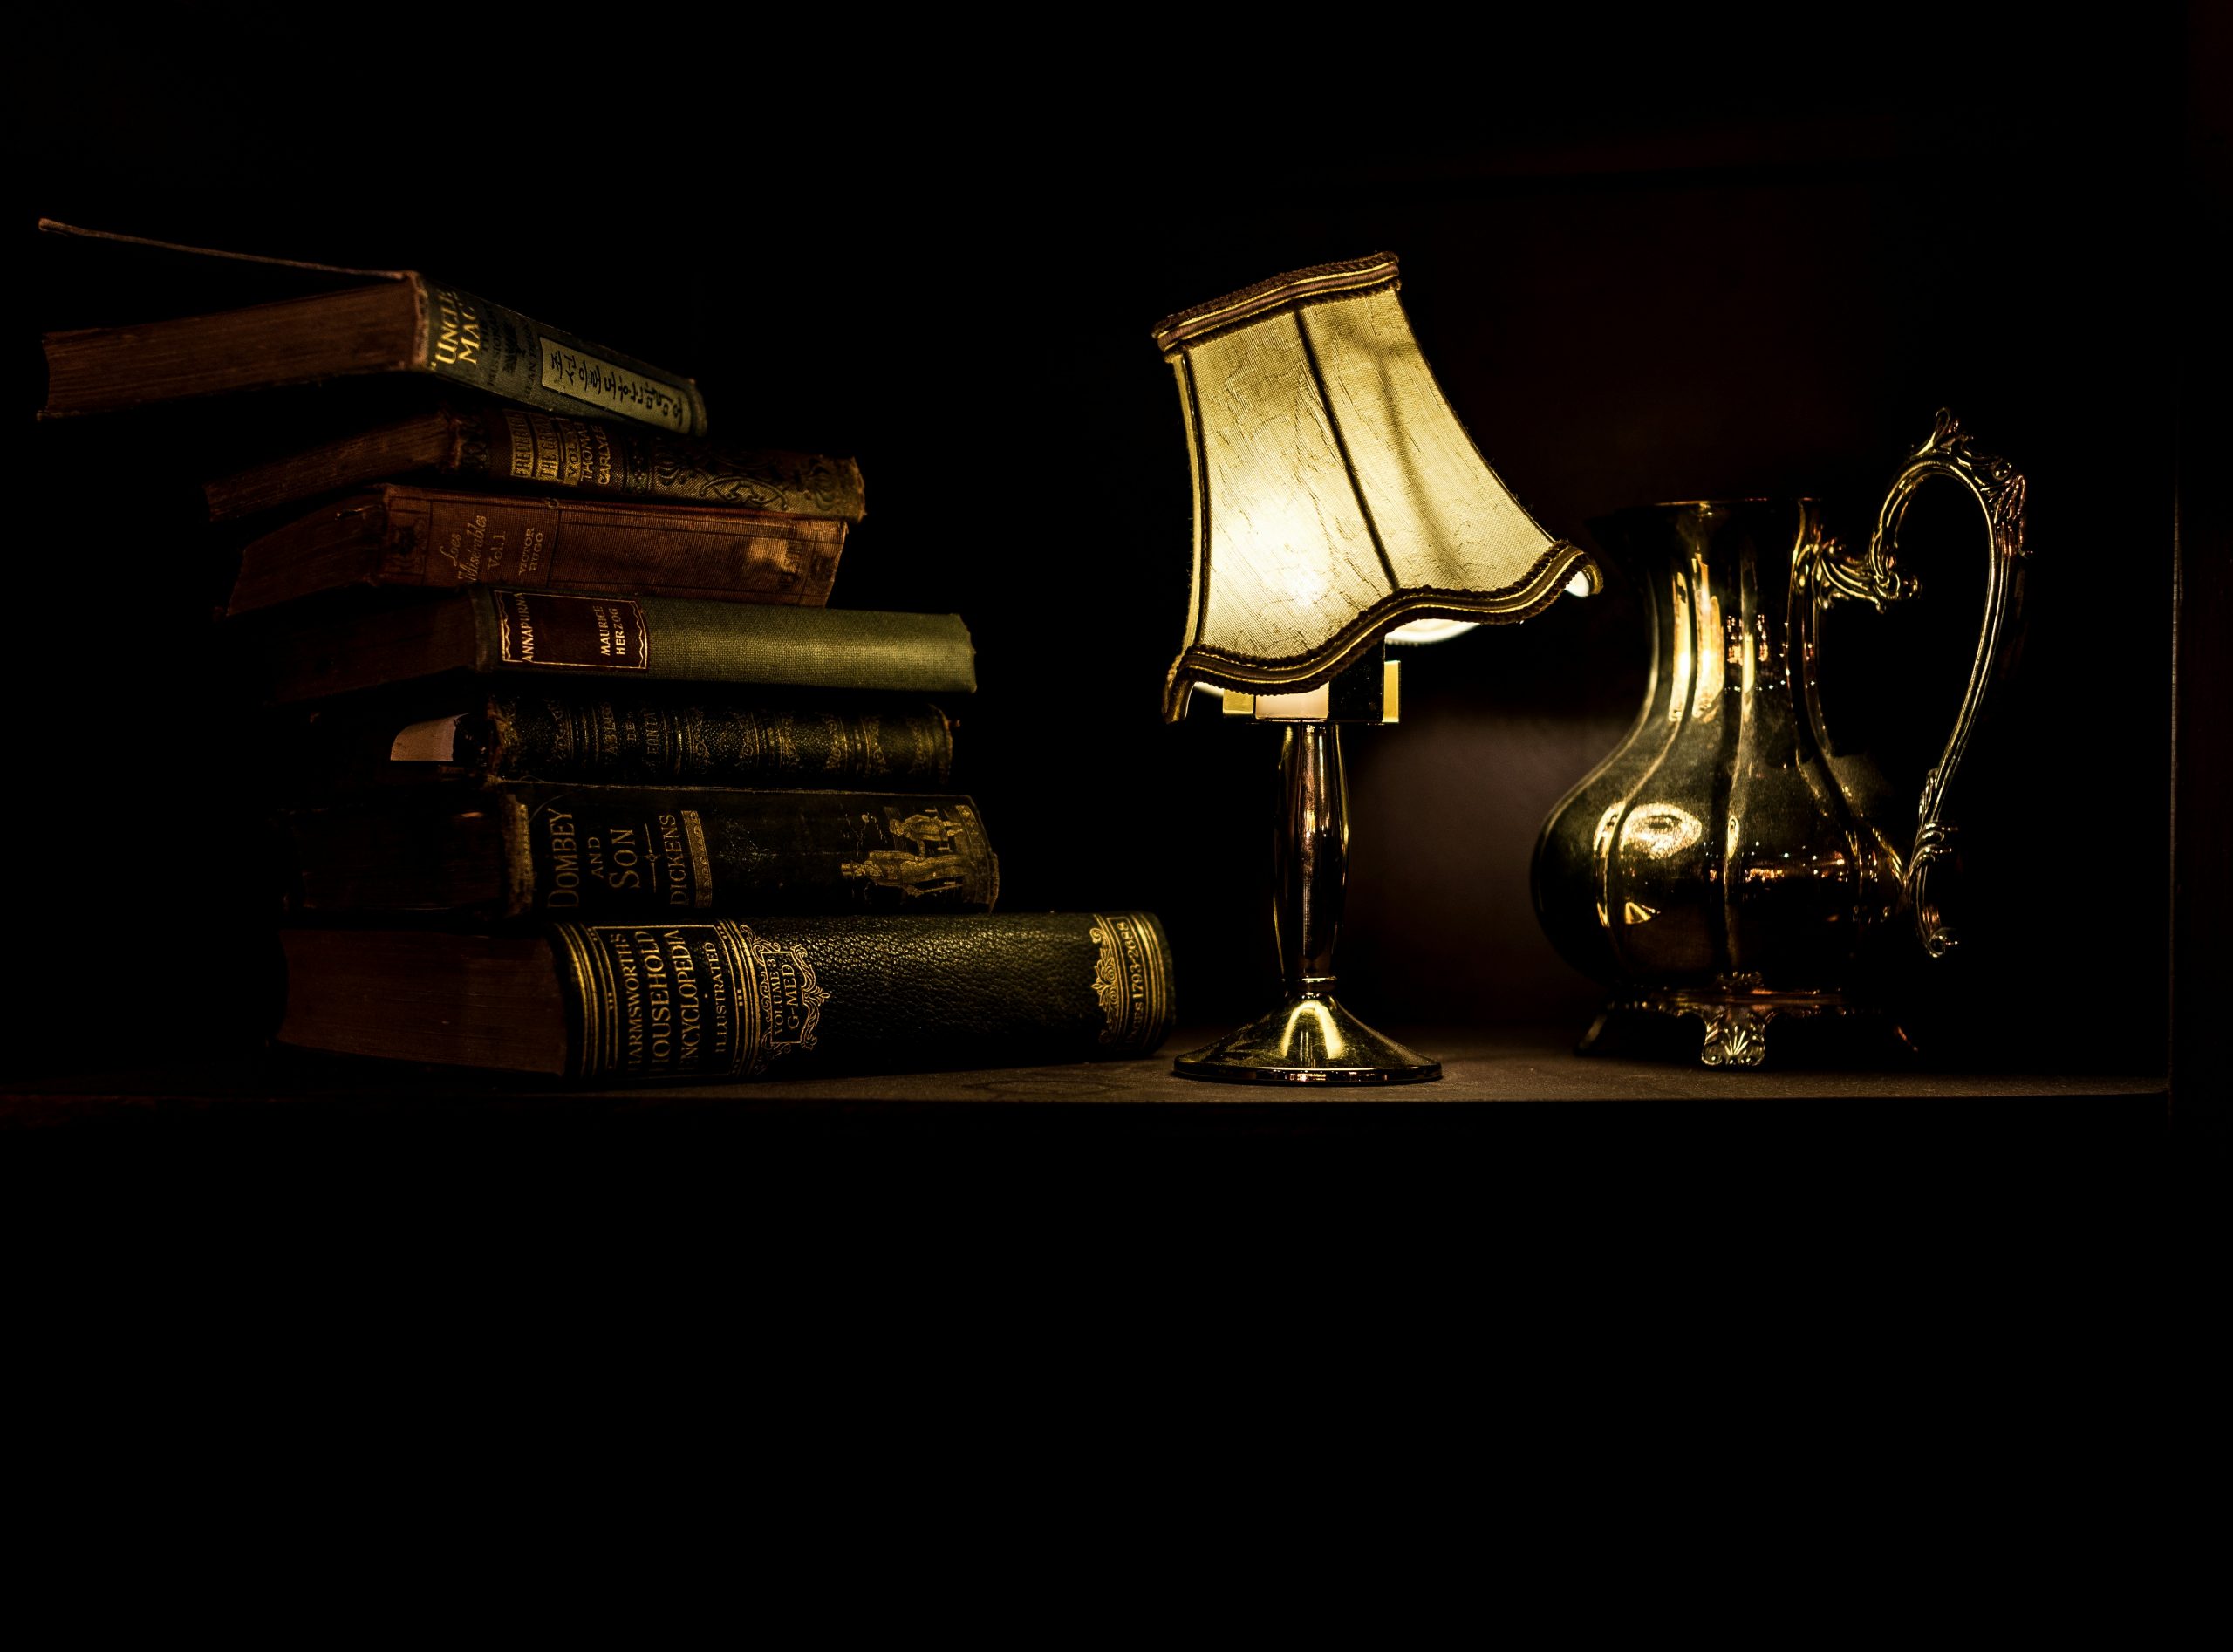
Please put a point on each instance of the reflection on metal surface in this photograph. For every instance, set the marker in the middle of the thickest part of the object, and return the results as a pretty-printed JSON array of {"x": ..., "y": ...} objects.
[
  {"x": 1713, "y": 648},
  {"x": 1660, "y": 829},
  {"x": 1600, "y": 854},
  {"x": 1730, "y": 867},
  {"x": 1321, "y": 1037},
  {"x": 1309, "y": 1039}
]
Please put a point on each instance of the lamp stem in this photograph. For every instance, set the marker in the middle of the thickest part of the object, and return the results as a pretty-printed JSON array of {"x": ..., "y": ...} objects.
[
  {"x": 1311, "y": 853},
  {"x": 1310, "y": 1038}
]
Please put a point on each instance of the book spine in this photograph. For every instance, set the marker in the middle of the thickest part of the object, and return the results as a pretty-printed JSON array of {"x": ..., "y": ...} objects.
[
  {"x": 616, "y": 739},
  {"x": 625, "y": 852},
  {"x": 443, "y": 539},
  {"x": 700, "y": 641},
  {"x": 544, "y": 450},
  {"x": 491, "y": 348},
  {"x": 668, "y": 1002}
]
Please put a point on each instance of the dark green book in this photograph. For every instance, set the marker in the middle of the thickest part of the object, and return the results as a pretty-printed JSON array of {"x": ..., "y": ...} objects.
[
  {"x": 487, "y": 854},
  {"x": 567, "y": 636},
  {"x": 607, "y": 734},
  {"x": 692, "y": 1000}
]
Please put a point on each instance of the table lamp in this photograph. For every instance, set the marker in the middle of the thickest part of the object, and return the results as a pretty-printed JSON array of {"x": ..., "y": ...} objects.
[{"x": 1339, "y": 506}]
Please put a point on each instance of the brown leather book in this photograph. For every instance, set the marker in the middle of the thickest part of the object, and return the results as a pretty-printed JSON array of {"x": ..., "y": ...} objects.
[
  {"x": 396, "y": 534},
  {"x": 278, "y": 321},
  {"x": 508, "y": 446}
]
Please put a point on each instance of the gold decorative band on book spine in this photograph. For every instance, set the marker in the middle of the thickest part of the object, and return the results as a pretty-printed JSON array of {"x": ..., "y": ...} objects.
[
  {"x": 588, "y": 972},
  {"x": 786, "y": 999},
  {"x": 1131, "y": 980},
  {"x": 747, "y": 1034}
]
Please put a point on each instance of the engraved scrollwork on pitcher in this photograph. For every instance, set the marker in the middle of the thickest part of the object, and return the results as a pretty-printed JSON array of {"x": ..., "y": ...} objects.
[
  {"x": 1840, "y": 576},
  {"x": 1998, "y": 488}
]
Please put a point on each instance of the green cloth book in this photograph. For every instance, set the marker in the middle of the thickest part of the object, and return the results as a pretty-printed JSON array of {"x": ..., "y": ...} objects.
[{"x": 495, "y": 632}]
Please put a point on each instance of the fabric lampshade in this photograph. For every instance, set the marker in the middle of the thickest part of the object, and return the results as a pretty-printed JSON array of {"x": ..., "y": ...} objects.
[{"x": 1335, "y": 495}]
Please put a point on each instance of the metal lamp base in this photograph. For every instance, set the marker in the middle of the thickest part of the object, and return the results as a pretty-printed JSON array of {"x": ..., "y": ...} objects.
[{"x": 1309, "y": 1040}]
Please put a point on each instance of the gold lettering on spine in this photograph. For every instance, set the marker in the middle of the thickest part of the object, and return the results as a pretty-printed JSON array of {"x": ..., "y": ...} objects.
[
  {"x": 570, "y": 448},
  {"x": 527, "y": 564},
  {"x": 457, "y": 328},
  {"x": 519, "y": 433},
  {"x": 663, "y": 1001},
  {"x": 721, "y": 976},
  {"x": 784, "y": 1000},
  {"x": 514, "y": 628},
  {"x": 701, "y": 862},
  {"x": 621, "y": 947},
  {"x": 689, "y": 1001},
  {"x": 559, "y": 452},
  {"x": 1129, "y": 982},
  {"x": 659, "y": 999},
  {"x": 587, "y": 633}
]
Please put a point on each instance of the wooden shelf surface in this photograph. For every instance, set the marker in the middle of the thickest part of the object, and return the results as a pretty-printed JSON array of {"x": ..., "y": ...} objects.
[{"x": 1501, "y": 1065}]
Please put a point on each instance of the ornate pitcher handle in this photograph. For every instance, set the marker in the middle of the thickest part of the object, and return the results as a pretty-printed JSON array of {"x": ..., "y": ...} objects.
[{"x": 1875, "y": 579}]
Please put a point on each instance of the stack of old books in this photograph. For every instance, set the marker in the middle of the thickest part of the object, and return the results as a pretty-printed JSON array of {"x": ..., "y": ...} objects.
[{"x": 574, "y": 771}]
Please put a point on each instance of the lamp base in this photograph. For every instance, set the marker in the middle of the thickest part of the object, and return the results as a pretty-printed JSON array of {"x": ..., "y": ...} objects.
[{"x": 1309, "y": 1040}]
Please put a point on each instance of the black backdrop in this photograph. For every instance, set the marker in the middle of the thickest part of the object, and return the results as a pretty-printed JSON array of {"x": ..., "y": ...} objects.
[{"x": 1748, "y": 254}]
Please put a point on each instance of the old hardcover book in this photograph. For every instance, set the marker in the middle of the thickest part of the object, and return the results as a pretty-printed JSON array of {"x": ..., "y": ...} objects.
[
  {"x": 279, "y": 321},
  {"x": 602, "y": 734},
  {"x": 494, "y": 630},
  {"x": 661, "y": 1002},
  {"x": 477, "y": 444},
  {"x": 401, "y": 535},
  {"x": 506, "y": 850}
]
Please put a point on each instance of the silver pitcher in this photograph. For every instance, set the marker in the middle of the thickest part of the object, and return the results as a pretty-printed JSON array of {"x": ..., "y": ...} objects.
[{"x": 1727, "y": 860}]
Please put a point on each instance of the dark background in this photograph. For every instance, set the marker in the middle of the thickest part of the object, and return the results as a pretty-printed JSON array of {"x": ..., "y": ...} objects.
[{"x": 1747, "y": 255}]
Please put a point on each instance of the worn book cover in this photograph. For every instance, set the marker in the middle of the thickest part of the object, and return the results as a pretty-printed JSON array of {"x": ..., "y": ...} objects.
[
  {"x": 516, "y": 850},
  {"x": 605, "y": 734},
  {"x": 200, "y": 321},
  {"x": 401, "y": 536},
  {"x": 477, "y": 444},
  {"x": 695, "y": 1001},
  {"x": 493, "y": 631}
]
